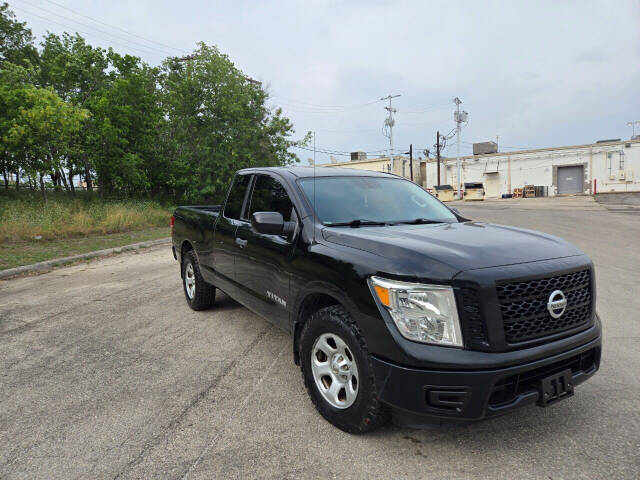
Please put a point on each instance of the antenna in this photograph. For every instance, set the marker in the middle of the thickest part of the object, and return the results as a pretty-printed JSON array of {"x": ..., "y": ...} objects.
[{"x": 314, "y": 187}]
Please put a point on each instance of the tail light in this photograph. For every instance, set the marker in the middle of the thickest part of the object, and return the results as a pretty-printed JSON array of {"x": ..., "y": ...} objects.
[{"x": 172, "y": 223}]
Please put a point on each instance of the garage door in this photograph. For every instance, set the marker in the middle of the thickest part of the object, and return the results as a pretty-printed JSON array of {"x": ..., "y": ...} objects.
[{"x": 570, "y": 179}]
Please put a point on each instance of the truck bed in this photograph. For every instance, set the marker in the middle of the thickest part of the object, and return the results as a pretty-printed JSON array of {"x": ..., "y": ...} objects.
[{"x": 202, "y": 208}]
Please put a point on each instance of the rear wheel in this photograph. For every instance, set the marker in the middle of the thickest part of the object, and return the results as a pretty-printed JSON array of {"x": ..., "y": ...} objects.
[
  {"x": 337, "y": 372},
  {"x": 199, "y": 294}
]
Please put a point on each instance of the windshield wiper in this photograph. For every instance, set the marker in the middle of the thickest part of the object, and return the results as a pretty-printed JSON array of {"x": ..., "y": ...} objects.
[
  {"x": 417, "y": 221},
  {"x": 356, "y": 223}
]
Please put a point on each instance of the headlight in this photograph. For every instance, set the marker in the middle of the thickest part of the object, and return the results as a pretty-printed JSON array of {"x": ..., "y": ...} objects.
[{"x": 423, "y": 313}]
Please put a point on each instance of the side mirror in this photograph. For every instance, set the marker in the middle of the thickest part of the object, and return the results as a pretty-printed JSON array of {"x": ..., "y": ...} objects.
[{"x": 268, "y": 223}]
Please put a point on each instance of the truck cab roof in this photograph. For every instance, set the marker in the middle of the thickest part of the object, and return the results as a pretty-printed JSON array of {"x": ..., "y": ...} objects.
[{"x": 306, "y": 172}]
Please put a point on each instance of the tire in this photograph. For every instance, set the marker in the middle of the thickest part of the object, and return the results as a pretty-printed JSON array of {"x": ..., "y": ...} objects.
[
  {"x": 202, "y": 295},
  {"x": 354, "y": 413}
]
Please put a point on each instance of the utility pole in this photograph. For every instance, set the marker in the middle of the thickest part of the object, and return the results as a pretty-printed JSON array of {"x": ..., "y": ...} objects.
[
  {"x": 411, "y": 160},
  {"x": 438, "y": 154},
  {"x": 459, "y": 117},
  {"x": 389, "y": 123},
  {"x": 633, "y": 126}
]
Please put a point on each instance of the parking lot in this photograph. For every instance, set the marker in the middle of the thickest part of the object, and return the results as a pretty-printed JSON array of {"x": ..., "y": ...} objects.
[{"x": 106, "y": 373}]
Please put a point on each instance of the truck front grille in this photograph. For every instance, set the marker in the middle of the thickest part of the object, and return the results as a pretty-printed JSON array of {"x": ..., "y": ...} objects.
[{"x": 524, "y": 306}]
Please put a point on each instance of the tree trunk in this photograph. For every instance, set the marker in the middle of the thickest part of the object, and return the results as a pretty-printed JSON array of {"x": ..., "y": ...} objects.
[
  {"x": 63, "y": 178},
  {"x": 4, "y": 173},
  {"x": 17, "y": 180},
  {"x": 42, "y": 189},
  {"x": 87, "y": 173},
  {"x": 71, "y": 187}
]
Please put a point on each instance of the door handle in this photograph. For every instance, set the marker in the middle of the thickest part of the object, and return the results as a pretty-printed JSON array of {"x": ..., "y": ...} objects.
[{"x": 240, "y": 242}]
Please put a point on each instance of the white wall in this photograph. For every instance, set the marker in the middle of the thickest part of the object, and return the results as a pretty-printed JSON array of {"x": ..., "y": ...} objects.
[{"x": 601, "y": 161}]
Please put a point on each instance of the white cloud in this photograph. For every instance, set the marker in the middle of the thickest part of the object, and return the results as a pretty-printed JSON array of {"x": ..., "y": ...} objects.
[{"x": 535, "y": 73}]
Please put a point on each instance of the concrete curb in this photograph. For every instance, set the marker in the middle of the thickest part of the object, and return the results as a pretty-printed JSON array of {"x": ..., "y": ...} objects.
[{"x": 49, "y": 264}]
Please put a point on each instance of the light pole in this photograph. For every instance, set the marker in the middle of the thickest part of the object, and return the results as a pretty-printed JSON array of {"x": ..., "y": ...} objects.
[{"x": 633, "y": 126}]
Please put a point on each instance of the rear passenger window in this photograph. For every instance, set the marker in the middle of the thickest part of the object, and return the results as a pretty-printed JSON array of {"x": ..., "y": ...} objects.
[
  {"x": 233, "y": 207},
  {"x": 270, "y": 196}
]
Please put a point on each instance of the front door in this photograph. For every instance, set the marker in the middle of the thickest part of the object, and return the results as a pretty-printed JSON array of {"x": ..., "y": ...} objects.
[
  {"x": 224, "y": 246},
  {"x": 492, "y": 185},
  {"x": 263, "y": 261}
]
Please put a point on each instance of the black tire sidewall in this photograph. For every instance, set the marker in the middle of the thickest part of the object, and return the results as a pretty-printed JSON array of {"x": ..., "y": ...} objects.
[
  {"x": 353, "y": 418},
  {"x": 188, "y": 260},
  {"x": 204, "y": 294}
]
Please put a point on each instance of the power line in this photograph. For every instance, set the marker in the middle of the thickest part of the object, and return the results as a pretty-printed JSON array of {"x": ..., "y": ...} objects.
[
  {"x": 113, "y": 26},
  {"x": 148, "y": 47},
  {"x": 86, "y": 33},
  {"x": 337, "y": 152},
  {"x": 315, "y": 105}
]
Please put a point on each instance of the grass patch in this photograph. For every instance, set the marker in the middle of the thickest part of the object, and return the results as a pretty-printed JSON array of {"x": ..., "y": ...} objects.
[
  {"x": 25, "y": 216},
  {"x": 32, "y": 230},
  {"x": 15, "y": 254}
]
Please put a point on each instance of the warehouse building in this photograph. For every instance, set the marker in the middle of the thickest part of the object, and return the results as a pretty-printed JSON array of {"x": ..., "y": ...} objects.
[{"x": 605, "y": 166}]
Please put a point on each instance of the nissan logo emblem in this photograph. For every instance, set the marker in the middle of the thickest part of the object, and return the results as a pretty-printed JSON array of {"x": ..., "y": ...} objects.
[{"x": 557, "y": 303}]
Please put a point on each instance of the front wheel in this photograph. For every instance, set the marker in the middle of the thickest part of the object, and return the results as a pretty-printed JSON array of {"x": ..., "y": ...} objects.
[
  {"x": 337, "y": 372},
  {"x": 199, "y": 294}
]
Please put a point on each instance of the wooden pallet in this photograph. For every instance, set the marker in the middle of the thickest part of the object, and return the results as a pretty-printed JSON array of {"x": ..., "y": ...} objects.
[{"x": 529, "y": 191}]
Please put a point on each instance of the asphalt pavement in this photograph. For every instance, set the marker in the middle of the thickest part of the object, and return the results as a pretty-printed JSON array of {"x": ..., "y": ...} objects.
[{"x": 106, "y": 373}]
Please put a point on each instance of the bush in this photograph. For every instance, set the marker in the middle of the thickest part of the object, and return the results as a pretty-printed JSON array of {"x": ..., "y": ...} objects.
[{"x": 26, "y": 216}]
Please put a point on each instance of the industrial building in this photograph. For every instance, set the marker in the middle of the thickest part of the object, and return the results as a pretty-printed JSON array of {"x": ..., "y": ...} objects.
[
  {"x": 604, "y": 166},
  {"x": 607, "y": 166}
]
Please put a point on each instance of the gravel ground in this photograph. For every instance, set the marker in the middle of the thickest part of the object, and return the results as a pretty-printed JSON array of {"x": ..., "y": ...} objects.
[{"x": 106, "y": 373}]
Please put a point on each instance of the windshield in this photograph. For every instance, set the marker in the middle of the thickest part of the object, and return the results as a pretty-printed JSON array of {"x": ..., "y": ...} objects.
[{"x": 343, "y": 200}]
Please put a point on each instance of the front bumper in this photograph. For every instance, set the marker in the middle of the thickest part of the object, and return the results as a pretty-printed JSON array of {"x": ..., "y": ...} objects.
[{"x": 417, "y": 394}]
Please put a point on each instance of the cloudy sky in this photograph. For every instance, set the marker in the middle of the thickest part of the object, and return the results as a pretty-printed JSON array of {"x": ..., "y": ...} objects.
[{"x": 536, "y": 74}]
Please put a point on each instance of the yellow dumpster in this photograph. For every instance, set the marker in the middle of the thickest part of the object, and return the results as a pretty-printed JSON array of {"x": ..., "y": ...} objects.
[
  {"x": 473, "y": 191},
  {"x": 444, "y": 192}
]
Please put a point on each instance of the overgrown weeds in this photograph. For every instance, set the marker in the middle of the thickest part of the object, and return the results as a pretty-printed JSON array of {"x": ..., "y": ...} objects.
[{"x": 26, "y": 216}]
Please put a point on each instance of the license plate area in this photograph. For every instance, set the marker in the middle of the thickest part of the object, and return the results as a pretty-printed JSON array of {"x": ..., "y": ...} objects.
[{"x": 555, "y": 387}]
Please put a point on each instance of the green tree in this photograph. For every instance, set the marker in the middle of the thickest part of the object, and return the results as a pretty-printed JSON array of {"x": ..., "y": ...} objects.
[
  {"x": 126, "y": 119},
  {"x": 42, "y": 130},
  {"x": 217, "y": 122},
  {"x": 16, "y": 41},
  {"x": 17, "y": 57},
  {"x": 78, "y": 73}
]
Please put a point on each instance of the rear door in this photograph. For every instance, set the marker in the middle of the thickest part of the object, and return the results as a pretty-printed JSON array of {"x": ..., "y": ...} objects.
[
  {"x": 224, "y": 246},
  {"x": 263, "y": 264}
]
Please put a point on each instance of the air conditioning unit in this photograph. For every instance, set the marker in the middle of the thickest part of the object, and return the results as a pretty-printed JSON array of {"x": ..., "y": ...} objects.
[{"x": 621, "y": 175}]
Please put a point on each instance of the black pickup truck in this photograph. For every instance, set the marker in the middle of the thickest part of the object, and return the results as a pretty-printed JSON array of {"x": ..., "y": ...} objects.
[{"x": 397, "y": 305}]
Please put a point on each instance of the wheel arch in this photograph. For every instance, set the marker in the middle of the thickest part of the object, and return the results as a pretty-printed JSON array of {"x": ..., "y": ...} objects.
[
  {"x": 310, "y": 301},
  {"x": 185, "y": 247}
]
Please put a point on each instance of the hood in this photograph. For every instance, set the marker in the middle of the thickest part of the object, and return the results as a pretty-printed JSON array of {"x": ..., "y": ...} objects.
[{"x": 461, "y": 246}]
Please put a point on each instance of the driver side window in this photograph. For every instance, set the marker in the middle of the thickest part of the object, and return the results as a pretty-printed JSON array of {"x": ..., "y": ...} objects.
[{"x": 269, "y": 195}]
